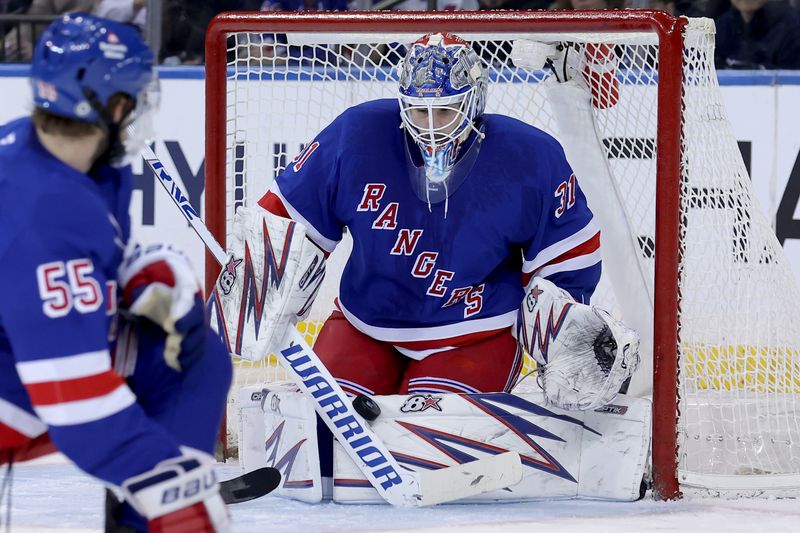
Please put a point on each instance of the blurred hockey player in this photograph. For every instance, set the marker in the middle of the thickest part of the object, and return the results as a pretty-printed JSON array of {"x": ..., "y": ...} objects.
[
  {"x": 83, "y": 310},
  {"x": 454, "y": 214}
]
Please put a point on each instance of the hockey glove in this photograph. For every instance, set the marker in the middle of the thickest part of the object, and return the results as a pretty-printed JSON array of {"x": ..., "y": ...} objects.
[
  {"x": 179, "y": 495},
  {"x": 158, "y": 284},
  {"x": 585, "y": 355},
  {"x": 597, "y": 64}
]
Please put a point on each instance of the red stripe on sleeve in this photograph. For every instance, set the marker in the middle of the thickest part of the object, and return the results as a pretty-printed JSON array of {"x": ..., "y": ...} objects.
[
  {"x": 71, "y": 390},
  {"x": 10, "y": 437},
  {"x": 159, "y": 272},
  {"x": 24, "y": 449},
  {"x": 585, "y": 248}
]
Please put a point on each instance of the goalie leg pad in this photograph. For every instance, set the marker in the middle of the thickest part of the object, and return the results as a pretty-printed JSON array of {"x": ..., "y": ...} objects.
[
  {"x": 565, "y": 455},
  {"x": 278, "y": 428}
]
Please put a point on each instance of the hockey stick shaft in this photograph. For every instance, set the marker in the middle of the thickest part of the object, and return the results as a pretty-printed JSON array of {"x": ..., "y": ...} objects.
[
  {"x": 181, "y": 200},
  {"x": 396, "y": 485}
]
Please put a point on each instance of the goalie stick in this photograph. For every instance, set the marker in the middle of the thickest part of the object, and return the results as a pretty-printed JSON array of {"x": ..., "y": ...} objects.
[
  {"x": 250, "y": 486},
  {"x": 398, "y": 486}
]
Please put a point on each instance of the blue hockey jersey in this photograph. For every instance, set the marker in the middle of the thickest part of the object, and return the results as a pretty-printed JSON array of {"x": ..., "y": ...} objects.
[
  {"x": 62, "y": 237},
  {"x": 424, "y": 276}
]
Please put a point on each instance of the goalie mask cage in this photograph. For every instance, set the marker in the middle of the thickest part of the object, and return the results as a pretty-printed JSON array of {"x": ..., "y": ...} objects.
[{"x": 689, "y": 260}]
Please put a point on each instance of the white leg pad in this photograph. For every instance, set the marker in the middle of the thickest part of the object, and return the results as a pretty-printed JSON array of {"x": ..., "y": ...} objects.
[
  {"x": 598, "y": 454},
  {"x": 278, "y": 428}
]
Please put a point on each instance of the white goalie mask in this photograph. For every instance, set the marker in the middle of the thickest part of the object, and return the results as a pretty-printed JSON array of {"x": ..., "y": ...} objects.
[{"x": 443, "y": 87}]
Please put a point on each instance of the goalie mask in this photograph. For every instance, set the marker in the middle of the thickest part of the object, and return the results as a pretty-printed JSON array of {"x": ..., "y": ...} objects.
[{"x": 442, "y": 92}]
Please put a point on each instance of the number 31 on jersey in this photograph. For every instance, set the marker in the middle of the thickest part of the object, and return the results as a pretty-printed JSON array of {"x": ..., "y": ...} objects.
[{"x": 566, "y": 193}]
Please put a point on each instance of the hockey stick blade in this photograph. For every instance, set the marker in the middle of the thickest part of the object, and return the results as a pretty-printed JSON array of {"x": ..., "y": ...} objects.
[
  {"x": 250, "y": 486},
  {"x": 469, "y": 479}
]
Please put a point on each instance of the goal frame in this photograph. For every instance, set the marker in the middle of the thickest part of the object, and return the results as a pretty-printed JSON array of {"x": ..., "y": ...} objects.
[{"x": 669, "y": 31}]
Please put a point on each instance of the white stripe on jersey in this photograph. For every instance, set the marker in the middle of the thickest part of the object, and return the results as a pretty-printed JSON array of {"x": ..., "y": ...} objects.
[
  {"x": 432, "y": 381},
  {"x": 82, "y": 411},
  {"x": 20, "y": 420},
  {"x": 64, "y": 368},
  {"x": 576, "y": 263},
  {"x": 323, "y": 242},
  {"x": 346, "y": 384},
  {"x": 433, "y": 333},
  {"x": 419, "y": 355},
  {"x": 556, "y": 249}
]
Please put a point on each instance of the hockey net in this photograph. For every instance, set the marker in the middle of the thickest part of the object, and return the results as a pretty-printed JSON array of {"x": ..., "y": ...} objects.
[{"x": 722, "y": 310}]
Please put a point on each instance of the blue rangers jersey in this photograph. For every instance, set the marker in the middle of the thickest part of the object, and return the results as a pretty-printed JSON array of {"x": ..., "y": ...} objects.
[
  {"x": 62, "y": 237},
  {"x": 426, "y": 276}
]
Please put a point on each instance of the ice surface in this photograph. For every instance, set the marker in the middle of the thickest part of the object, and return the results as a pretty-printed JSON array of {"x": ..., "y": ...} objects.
[{"x": 53, "y": 496}]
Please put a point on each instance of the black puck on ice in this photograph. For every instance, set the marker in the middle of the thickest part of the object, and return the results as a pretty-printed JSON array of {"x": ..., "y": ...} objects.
[{"x": 366, "y": 407}]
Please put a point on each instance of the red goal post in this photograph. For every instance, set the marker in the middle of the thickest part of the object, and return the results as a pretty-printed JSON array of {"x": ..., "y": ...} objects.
[{"x": 229, "y": 86}]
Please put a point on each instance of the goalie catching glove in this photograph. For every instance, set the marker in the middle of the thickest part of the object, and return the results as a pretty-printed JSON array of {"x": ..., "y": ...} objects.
[
  {"x": 585, "y": 354},
  {"x": 270, "y": 280},
  {"x": 158, "y": 283}
]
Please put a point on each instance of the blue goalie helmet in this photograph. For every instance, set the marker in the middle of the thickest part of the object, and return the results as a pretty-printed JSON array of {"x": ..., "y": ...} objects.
[
  {"x": 81, "y": 61},
  {"x": 443, "y": 86}
]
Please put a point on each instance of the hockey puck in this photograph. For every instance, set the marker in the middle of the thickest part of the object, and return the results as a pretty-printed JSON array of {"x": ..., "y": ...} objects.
[{"x": 366, "y": 407}]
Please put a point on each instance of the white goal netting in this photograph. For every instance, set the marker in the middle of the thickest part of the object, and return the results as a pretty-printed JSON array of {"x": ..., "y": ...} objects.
[{"x": 739, "y": 327}]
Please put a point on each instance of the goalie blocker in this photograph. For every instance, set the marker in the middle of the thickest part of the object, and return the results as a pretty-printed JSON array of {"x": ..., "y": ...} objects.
[
  {"x": 597, "y": 454},
  {"x": 269, "y": 281}
]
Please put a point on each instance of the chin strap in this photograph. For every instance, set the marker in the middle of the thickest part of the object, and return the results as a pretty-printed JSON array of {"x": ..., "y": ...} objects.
[{"x": 114, "y": 148}]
